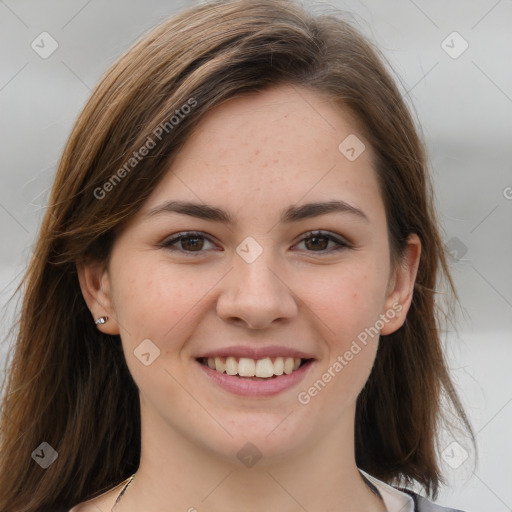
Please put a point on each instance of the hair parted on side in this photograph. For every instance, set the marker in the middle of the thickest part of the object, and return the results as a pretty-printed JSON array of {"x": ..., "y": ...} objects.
[{"x": 68, "y": 384}]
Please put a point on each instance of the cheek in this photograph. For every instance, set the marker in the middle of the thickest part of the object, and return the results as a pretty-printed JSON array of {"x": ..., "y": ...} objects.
[
  {"x": 346, "y": 306},
  {"x": 160, "y": 301},
  {"x": 156, "y": 304},
  {"x": 346, "y": 300}
]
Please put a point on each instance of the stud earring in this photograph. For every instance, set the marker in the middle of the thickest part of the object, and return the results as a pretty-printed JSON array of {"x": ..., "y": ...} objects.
[{"x": 101, "y": 320}]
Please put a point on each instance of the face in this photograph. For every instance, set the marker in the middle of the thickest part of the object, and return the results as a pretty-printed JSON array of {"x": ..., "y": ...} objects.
[{"x": 256, "y": 278}]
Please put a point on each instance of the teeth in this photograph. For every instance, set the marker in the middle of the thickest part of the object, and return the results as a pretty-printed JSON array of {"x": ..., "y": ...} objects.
[
  {"x": 231, "y": 366},
  {"x": 288, "y": 365},
  {"x": 265, "y": 368},
  {"x": 246, "y": 367},
  {"x": 219, "y": 365},
  {"x": 279, "y": 366}
]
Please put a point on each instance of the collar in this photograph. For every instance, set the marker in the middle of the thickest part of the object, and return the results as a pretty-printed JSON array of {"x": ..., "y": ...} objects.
[{"x": 394, "y": 500}]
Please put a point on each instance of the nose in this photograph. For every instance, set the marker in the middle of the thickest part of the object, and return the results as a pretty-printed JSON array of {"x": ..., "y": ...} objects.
[{"x": 256, "y": 294}]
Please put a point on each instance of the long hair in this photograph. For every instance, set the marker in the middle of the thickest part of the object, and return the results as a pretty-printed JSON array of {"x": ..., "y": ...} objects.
[{"x": 68, "y": 384}]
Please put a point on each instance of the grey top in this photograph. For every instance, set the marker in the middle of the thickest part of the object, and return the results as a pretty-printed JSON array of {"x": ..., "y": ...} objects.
[{"x": 403, "y": 500}]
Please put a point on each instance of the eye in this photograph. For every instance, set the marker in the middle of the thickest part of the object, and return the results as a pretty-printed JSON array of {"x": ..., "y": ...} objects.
[
  {"x": 194, "y": 243},
  {"x": 318, "y": 241},
  {"x": 188, "y": 242}
]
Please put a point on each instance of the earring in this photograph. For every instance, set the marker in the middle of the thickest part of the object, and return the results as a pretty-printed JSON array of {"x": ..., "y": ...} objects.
[{"x": 101, "y": 320}]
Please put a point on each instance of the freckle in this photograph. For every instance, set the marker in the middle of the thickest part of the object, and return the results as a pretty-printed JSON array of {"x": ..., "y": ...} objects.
[
  {"x": 257, "y": 152},
  {"x": 276, "y": 161}
]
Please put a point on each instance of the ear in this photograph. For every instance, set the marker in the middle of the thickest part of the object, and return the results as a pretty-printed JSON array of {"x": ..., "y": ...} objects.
[
  {"x": 95, "y": 285},
  {"x": 401, "y": 286}
]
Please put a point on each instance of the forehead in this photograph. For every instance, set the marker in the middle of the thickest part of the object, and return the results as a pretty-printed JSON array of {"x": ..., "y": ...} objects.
[{"x": 279, "y": 146}]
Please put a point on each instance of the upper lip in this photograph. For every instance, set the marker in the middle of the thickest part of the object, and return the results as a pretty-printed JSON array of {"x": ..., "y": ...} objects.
[{"x": 238, "y": 351}]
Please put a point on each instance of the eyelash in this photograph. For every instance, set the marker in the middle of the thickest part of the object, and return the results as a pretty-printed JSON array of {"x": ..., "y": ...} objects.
[{"x": 341, "y": 244}]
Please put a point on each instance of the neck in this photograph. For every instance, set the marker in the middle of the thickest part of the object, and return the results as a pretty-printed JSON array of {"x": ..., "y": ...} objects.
[{"x": 177, "y": 474}]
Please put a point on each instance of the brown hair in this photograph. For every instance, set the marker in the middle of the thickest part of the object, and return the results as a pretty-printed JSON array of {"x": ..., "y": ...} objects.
[{"x": 69, "y": 385}]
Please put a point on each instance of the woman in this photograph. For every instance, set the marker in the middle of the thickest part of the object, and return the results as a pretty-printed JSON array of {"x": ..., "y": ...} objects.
[{"x": 231, "y": 301}]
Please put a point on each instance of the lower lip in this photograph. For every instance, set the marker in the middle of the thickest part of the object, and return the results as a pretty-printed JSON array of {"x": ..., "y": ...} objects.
[{"x": 247, "y": 387}]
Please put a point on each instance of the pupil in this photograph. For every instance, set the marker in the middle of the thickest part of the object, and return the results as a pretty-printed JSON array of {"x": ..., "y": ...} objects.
[
  {"x": 315, "y": 239},
  {"x": 195, "y": 243}
]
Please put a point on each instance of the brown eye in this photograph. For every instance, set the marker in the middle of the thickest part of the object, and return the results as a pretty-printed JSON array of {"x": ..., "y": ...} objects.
[
  {"x": 192, "y": 243},
  {"x": 319, "y": 242},
  {"x": 187, "y": 243}
]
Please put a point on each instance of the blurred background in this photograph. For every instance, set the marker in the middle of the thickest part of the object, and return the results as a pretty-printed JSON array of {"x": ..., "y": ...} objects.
[{"x": 452, "y": 59}]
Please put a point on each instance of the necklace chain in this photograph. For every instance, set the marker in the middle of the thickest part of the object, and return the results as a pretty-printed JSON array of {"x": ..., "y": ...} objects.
[
  {"x": 130, "y": 480},
  {"x": 123, "y": 491}
]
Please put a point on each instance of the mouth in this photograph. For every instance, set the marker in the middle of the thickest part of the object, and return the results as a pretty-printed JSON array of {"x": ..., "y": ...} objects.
[{"x": 254, "y": 369}]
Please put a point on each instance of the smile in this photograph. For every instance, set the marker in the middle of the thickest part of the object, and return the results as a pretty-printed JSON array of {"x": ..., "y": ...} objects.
[
  {"x": 265, "y": 368},
  {"x": 257, "y": 378}
]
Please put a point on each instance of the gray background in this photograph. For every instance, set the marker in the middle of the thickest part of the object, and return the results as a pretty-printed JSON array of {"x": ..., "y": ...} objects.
[{"x": 463, "y": 104}]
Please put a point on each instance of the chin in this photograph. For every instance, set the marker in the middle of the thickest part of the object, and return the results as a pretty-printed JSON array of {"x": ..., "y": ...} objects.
[{"x": 268, "y": 437}]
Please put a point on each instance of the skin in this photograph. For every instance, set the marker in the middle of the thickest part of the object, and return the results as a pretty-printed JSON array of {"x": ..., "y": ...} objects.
[{"x": 253, "y": 156}]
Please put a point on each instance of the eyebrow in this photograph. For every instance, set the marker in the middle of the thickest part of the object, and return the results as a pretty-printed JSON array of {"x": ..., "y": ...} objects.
[{"x": 291, "y": 214}]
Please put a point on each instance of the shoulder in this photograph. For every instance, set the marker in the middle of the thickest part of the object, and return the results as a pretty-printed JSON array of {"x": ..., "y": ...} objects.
[
  {"x": 400, "y": 499},
  {"x": 104, "y": 501},
  {"x": 422, "y": 504},
  {"x": 86, "y": 506}
]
